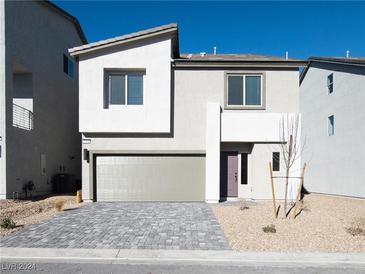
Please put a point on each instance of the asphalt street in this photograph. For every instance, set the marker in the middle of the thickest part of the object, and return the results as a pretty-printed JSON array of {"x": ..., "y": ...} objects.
[{"x": 168, "y": 267}]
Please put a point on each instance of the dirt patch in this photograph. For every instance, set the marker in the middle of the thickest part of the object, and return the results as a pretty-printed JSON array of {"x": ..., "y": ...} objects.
[
  {"x": 26, "y": 212},
  {"x": 328, "y": 224}
]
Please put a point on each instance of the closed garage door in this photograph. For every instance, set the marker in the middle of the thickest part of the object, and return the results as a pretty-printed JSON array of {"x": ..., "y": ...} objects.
[{"x": 150, "y": 178}]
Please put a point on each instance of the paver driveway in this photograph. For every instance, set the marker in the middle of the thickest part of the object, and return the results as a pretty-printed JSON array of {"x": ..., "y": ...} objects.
[{"x": 126, "y": 225}]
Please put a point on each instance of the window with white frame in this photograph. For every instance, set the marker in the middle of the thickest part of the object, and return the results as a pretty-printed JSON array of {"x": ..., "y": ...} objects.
[
  {"x": 123, "y": 88},
  {"x": 331, "y": 125},
  {"x": 244, "y": 90},
  {"x": 330, "y": 83}
]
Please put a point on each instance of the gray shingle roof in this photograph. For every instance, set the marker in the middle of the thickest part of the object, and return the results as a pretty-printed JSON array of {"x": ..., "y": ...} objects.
[{"x": 124, "y": 38}]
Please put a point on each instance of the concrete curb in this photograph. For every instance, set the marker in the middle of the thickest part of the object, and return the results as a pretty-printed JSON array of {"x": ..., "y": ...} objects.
[{"x": 133, "y": 255}]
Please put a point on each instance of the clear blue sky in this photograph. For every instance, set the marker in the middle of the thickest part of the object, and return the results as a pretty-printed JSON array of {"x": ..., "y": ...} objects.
[{"x": 302, "y": 28}]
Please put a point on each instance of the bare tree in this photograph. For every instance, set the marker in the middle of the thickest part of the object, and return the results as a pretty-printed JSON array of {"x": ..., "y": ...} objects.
[{"x": 291, "y": 146}]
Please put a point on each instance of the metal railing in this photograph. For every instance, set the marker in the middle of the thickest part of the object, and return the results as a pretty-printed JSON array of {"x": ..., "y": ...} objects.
[{"x": 22, "y": 117}]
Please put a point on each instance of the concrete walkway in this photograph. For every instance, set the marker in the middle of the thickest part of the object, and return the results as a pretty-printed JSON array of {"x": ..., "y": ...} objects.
[
  {"x": 199, "y": 256},
  {"x": 114, "y": 225}
]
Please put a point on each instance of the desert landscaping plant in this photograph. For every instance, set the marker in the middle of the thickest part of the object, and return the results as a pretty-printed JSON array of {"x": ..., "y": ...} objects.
[
  {"x": 269, "y": 229},
  {"x": 7, "y": 223},
  {"x": 244, "y": 207},
  {"x": 291, "y": 146},
  {"x": 28, "y": 188},
  {"x": 357, "y": 227},
  {"x": 59, "y": 204}
]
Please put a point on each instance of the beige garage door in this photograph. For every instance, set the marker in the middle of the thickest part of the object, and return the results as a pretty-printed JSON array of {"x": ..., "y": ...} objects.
[{"x": 150, "y": 178}]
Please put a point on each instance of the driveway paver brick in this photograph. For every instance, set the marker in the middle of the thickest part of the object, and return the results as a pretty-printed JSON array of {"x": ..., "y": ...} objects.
[{"x": 122, "y": 225}]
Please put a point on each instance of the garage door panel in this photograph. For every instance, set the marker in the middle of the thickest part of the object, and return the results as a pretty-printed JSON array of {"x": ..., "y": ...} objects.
[{"x": 150, "y": 178}]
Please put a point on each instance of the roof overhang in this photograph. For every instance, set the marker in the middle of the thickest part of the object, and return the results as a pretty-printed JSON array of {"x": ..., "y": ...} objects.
[
  {"x": 329, "y": 60},
  {"x": 170, "y": 30},
  {"x": 232, "y": 64}
]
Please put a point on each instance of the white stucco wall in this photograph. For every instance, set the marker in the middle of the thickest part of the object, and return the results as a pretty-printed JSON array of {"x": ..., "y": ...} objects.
[
  {"x": 336, "y": 164},
  {"x": 151, "y": 117},
  {"x": 212, "y": 165},
  {"x": 192, "y": 90}
]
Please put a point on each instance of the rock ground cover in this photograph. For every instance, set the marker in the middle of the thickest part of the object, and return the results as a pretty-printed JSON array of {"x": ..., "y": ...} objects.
[
  {"x": 326, "y": 224},
  {"x": 26, "y": 212}
]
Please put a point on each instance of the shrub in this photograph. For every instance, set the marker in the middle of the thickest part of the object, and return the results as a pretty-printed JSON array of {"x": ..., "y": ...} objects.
[
  {"x": 58, "y": 205},
  {"x": 7, "y": 223},
  {"x": 244, "y": 207},
  {"x": 355, "y": 231},
  {"x": 269, "y": 229},
  {"x": 357, "y": 227}
]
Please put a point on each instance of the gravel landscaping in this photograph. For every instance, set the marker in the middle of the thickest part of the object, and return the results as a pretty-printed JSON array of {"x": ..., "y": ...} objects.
[
  {"x": 326, "y": 224},
  {"x": 26, "y": 212}
]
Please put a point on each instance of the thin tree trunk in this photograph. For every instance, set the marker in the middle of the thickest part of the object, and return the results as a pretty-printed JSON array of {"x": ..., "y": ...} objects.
[
  {"x": 286, "y": 191},
  {"x": 287, "y": 174}
]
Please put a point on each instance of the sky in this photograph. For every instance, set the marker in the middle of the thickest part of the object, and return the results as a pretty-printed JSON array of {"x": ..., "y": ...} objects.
[{"x": 302, "y": 28}]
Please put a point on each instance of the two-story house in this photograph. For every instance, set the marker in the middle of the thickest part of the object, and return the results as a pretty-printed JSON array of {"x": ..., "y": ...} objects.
[
  {"x": 158, "y": 125},
  {"x": 332, "y": 103},
  {"x": 38, "y": 96}
]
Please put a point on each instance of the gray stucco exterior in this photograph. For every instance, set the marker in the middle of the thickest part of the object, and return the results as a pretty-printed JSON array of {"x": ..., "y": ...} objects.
[
  {"x": 335, "y": 164},
  {"x": 34, "y": 37}
]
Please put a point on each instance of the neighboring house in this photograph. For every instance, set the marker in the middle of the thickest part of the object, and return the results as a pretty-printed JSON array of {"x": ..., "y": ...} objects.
[
  {"x": 38, "y": 96},
  {"x": 160, "y": 126},
  {"x": 332, "y": 103}
]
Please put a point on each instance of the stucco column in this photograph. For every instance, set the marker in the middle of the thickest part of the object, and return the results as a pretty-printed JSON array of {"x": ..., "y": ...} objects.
[
  {"x": 87, "y": 186},
  {"x": 212, "y": 146}
]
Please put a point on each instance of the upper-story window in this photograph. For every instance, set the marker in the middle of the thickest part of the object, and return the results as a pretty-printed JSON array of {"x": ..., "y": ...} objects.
[
  {"x": 68, "y": 66},
  {"x": 244, "y": 91},
  {"x": 123, "y": 88},
  {"x": 330, "y": 83},
  {"x": 331, "y": 125}
]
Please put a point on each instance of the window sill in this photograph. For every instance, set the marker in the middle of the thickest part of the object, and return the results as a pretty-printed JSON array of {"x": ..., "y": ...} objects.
[{"x": 245, "y": 107}]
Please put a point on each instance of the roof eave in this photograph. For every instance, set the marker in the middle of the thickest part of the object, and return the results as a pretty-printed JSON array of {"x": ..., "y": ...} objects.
[
  {"x": 320, "y": 60},
  {"x": 239, "y": 63},
  {"x": 76, "y": 53}
]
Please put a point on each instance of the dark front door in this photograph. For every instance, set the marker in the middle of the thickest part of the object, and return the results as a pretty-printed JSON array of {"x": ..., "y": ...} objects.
[{"x": 229, "y": 174}]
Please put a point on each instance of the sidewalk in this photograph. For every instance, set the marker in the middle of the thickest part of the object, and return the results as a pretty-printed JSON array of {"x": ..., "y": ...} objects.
[{"x": 130, "y": 255}]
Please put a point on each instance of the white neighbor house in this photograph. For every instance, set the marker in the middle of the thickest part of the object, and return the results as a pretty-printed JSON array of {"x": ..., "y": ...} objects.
[
  {"x": 332, "y": 103},
  {"x": 38, "y": 96},
  {"x": 158, "y": 125}
]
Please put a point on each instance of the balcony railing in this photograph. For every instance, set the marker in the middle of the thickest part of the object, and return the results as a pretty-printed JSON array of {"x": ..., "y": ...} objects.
[{"x": 22, "y": 117}]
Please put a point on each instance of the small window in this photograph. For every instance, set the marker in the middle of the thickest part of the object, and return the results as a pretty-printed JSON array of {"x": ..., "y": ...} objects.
[
  {"x": 331, "y": 125},
  {"x": 244, "y": 90},
  {"x": 123, "y": 88},
  {"x": 330, "y": 83},
  {"x": 68, "y": 66},
  {"x": 276, "y": 161}
]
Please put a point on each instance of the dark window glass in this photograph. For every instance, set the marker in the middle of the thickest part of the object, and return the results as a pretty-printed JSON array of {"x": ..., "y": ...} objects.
[
  {"x": 276, "y": 161},
  {"x": 330, "y": 83},
  {"x": 253, "y": 90},
  {"x": 244, "y": 177},
  {"x": 65, "y": 64},
  {"x": 71, "y": 68},
  {"x": 235, "y": 90},
  {"x": 116, "y": 89},
  {"x": 135, "y": 89},
  {"x": 331, "y": 125}
]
